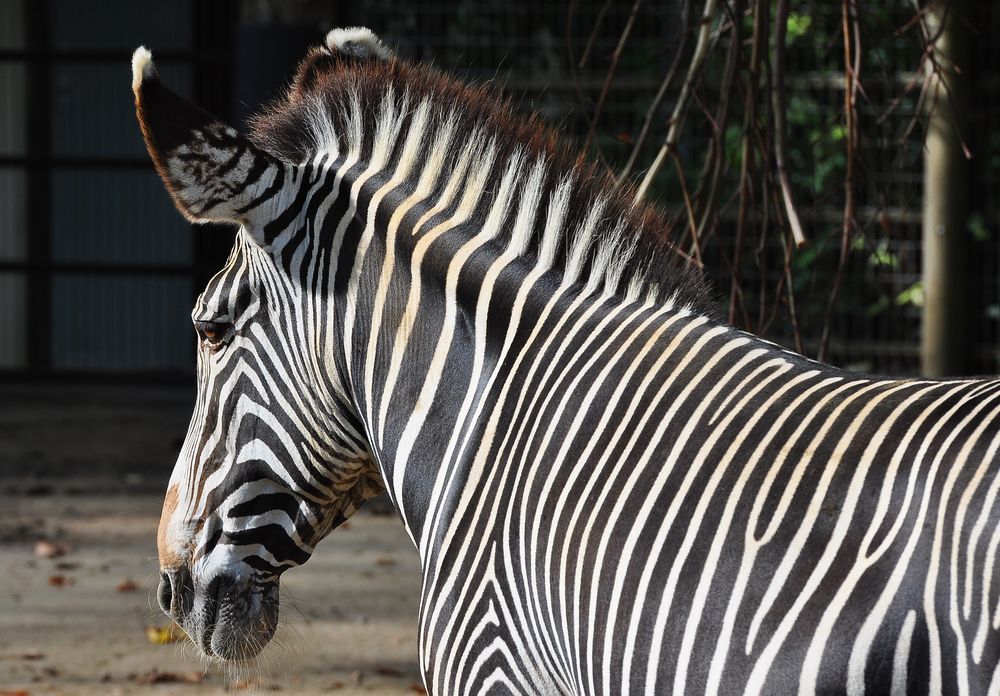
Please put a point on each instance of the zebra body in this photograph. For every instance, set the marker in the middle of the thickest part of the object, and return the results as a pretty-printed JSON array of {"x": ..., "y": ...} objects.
[{"x": 610, "y": 490}]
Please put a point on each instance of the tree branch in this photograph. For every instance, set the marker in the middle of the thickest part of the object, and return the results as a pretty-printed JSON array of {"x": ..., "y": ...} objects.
[
  {"x": 852, "y": 68},
  {"x": 661, "y": 92},
  {"x": 609, "y": 78},
  {"x": 677, "y": 117},
  {"x": 779, "y": 104}
]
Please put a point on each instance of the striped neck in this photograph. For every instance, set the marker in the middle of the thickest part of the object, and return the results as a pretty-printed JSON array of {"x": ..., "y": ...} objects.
[
  {"x": 448, "y": 224},
  {"x": 443, "y": 270}
]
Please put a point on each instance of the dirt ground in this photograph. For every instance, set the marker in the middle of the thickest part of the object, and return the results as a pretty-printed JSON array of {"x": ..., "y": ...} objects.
[{"x": 83, "y": 468}]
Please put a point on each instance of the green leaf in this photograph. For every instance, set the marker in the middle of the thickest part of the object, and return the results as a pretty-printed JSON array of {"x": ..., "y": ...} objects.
[
  {"x": 798, "y": 25},
  {"x": 878, "y": 306},
  {"x": 881, "y": 257},
  {"x": 977, "y": 226},
  {"x": 913, "y": 295}
]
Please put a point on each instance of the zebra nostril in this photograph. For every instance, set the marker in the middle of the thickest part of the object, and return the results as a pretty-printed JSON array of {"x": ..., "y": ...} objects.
[
  {"x": 164, "y": 593},
  {"x": 175, "y": 594}
]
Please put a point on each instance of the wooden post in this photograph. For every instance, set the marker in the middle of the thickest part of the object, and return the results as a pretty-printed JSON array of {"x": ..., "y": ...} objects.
[{"x": 944, "y": 337}]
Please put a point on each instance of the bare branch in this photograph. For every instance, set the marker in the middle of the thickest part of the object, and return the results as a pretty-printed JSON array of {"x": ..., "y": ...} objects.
[
  {"x": 609, "y": 78},
  {"x": 780, "y": 108},
  {"x": 712, "y": 171},
  {"x": 658, "y": 99},
  {"x": 852, "y": 69},
  {"x": 574, "y": 75},
  {"x": 677, "y": 117},
  {"x": 761, "y": 12},
  {"x": 585, "y": 56},
  {"x": 695, "y": 245}
]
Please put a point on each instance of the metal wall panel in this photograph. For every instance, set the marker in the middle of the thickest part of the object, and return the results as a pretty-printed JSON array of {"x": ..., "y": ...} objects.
[
  {"x": 93, "y": 107},
  {"x": 11, "y": 24},
  {"x": 13, "y": 317},
  {"x": 13, "y": 214},
  {"x": 121, "y": 25},
  {"x": 121, "y": 323},
  {"x": 13, "y": 108},
  {"x": 116, "y": 216}
]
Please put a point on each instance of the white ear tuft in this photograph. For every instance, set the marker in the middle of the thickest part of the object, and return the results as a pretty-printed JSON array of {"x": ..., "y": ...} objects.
[
  {"x": 359, "y": 42},
  {"x": 142, "y": 67}
]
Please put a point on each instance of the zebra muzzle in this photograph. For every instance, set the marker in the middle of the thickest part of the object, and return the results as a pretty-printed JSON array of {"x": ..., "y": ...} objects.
[{"x": 231, "y": 617}]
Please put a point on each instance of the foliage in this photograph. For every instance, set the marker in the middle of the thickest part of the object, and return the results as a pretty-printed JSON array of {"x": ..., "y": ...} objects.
[{"x": 789, "y": 121}]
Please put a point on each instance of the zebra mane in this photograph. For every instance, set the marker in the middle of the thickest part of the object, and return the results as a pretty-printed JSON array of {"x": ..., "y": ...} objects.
[{"x": 339, "y": 106}]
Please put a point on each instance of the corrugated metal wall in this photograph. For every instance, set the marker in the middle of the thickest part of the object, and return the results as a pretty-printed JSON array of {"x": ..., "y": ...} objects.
[{"x": 96, "y": 267}]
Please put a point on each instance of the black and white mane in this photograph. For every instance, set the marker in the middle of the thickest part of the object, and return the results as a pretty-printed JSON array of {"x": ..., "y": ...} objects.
[{"x": 341, "y": 108}]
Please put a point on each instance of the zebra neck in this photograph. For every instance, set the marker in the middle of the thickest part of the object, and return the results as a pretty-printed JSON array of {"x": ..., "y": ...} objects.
[
  {"x": 440, "y": 354},
  {"x": 439, "y": 287}
]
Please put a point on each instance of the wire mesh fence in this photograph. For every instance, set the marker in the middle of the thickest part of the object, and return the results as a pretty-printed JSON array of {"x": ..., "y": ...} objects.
[
  {"x": 548, "y": 56},
  {"x": 554, "y": 58}
]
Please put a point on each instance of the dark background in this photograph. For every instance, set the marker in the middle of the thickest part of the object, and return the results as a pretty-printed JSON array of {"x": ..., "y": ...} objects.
[{"x": 98, "y": 272}]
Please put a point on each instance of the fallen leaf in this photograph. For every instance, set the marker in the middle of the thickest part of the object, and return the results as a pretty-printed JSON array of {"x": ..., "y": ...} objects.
[
  {"x": 333, "y": 686},
  {"x": 60, "y": 580},
  {"x": 32, "y": 655},
  {"x": 418, "y": 688},
  {"x": 155, "y": 676},
  {"x": 127, "y": 585},
  {"x": 242, "y": 685},
  {"x": 388, "y": 672},
  {"x": 161, "y": 635},
  {"x": 16, "y": 692},
  {"x": 50, "y": 549},
  {"x": 384, "y": 561}
]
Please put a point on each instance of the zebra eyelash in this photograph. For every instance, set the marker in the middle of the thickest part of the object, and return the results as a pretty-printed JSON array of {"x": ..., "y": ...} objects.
[{"x": 214, "y": 334}]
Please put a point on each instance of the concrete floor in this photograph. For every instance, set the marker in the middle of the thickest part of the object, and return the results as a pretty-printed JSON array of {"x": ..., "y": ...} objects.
[{"x": 85, "y": 468}]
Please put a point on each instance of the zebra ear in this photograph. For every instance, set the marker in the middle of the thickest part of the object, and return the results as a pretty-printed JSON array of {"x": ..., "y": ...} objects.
[
  {"x": 212, "y": 172},
  {"x": 358, "y": 43},
  {"x": 348, "y": 45}
]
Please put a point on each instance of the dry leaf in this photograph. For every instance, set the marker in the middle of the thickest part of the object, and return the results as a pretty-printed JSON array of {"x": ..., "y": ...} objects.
[
  {"x": 388, "y": 672},
  {"x": 127, "y": 585},
  {"x": 32, "y": 655},
  {"x": 384, "y": 561},
  {"x": 161, "y": 635},
  {"x": 16, "y": 692},
  {"x": 155, "y": 676},
  {"x": 60, "y": 581},
  {"x": 418, "y": 688},
  {"x": 50, "y": 549}
]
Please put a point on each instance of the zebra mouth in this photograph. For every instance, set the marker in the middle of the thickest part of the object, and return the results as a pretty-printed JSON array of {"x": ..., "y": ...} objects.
[
  {"x": 234, "y": 619},
  {"x": 211, "y": 613}
]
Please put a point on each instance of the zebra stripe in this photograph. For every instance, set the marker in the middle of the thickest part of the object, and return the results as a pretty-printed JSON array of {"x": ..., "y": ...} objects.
[{"x": 610, "y": 490}]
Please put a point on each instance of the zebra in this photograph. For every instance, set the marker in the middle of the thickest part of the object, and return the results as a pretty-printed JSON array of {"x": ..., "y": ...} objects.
[{"x": 610, "y": 489}]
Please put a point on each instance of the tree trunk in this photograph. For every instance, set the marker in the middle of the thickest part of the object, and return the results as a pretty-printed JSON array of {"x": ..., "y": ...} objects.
[{"x": 944, "y": 339}]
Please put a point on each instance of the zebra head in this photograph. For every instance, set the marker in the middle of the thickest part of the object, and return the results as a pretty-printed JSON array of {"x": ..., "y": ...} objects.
[{"x": 275, "y": 456}]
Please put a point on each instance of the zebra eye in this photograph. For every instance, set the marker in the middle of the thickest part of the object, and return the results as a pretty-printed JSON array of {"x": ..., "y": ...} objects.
[{"x": 213, "y": 333}]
